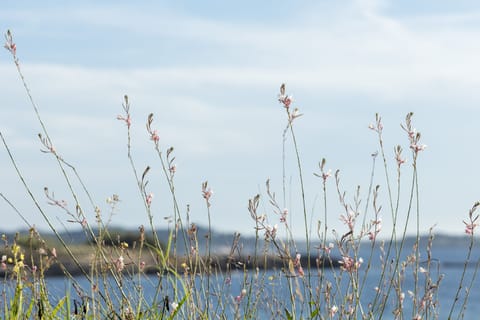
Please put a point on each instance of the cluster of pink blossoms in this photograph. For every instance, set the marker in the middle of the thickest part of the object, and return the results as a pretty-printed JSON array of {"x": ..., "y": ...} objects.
[
  {"x": 283, "y": 98},
  {"x": 349, "y": 264},
  {"x": 287, "y": 100}
]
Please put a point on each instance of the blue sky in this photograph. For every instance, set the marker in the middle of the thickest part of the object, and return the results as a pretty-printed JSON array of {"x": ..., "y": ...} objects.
[{"x": 210, "y": 72}]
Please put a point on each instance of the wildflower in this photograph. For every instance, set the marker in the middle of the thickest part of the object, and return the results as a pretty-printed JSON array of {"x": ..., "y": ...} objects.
[
  {"x": 174, "y": 306},
  {"x": 119, "y": 264},
  {"x": 333, "y": 310},
  {"x": 469, "y": 227},
  {"x": 416, "y": 147},
  {"x": 149, "y": 199},
  {"x": 9, "y": 44},
  {"x": 127, "y": 119},
  {"x": 207, "y": 193},
  {"x": 349, "y": 220},
  {"x": 378, "y": 126},
  {"x": 173, "y": 168},
  {"x": 412, "y": 133},
  {"x": 54, "y": 252},
  {"x": 328, "y": 248},
  {"x": 377, "y": 227},
  {"x": 154, "y": 136},
  {"x": 283, "y": 217},
  {"x": 349, "y": 264},
  {"x": 142, "y": 265},
  {"x": 34, "y": 268},
  {"x": 18, "y": 266},
  {"x": 193, "y": 250},
  {"x": 297, "y": 264},
  {"x": 326, "y": 175},
  {"x": 271, "y": 232},
  {"x": 400, "y": 160},
  {"x": 285, "y": 100},
  {"x": 242, "y": 294}
]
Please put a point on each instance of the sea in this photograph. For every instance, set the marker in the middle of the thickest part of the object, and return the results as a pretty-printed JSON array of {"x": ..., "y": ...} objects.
[{"x": 453, "y": 283}]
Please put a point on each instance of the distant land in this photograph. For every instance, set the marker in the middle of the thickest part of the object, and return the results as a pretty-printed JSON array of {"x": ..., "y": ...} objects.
[{"x": 449, "y": 251}]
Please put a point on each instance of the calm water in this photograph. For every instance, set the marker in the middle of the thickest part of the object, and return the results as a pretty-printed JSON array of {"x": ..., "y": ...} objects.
[{"x": 273, "y": 288}]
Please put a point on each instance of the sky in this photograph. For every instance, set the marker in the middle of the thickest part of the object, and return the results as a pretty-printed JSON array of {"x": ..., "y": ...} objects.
[{"x": 210, "y": 72}]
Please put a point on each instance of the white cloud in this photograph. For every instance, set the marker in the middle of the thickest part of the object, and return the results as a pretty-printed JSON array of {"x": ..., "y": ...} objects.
[{"x": 219, "y": 104}]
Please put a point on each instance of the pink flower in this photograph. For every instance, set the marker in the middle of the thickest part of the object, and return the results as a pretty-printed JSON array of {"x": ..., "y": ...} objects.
[
  {"x": 149, "y": 199},
  {"x": 128, "y": 120},
  {"x": 349, "y": 220},
  {"x": 378, "y": 126},
  {"x": 328, "y": 248},
  {"x": 326, "y": 175},
  {"x": 173, "y": 168},
  {"x": 349, "y": 264},
  {"x": 333, "y": 310},
  {"x": 207, "y": 194},
  {"x": 297, "y": 264},
  {"x": 271, "y": 232},
  {"x": 242, "y": 294},
  {"x": 470, "y": 227},
  {"x": 412, "y": 133},
  {"x": 154, "y": 136},
  {"x": 285, "y": 100},
  {"x": 54, "y": 252},
  {"x": 376, "y": 228},
  {"x": 9, "y": 44},
  {"x": 416, "y": 147},
  {"x": 283, "y": 217}
]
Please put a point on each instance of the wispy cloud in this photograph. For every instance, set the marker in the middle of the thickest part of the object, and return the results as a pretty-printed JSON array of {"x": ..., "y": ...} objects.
[{"x": 212, "y": 83}]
